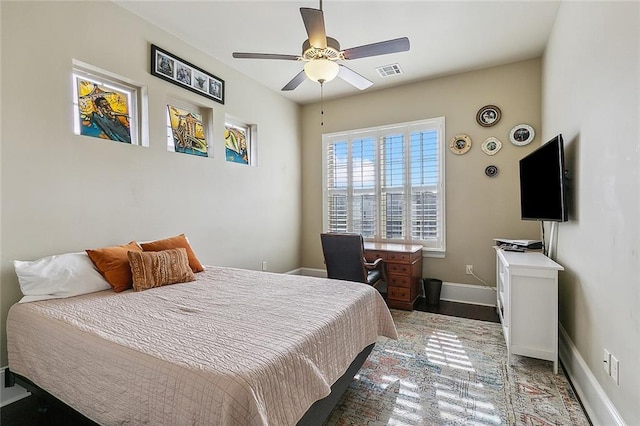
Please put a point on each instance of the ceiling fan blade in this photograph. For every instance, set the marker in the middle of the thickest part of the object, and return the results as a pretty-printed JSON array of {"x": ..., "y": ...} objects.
[
  {"x": 375, "y": 49},
  {"x": 314, "y": 23},
  {"x": 353, "y": 78},
  {"x": 239, "y": 55},
  {"x": 295, "y": 82}
]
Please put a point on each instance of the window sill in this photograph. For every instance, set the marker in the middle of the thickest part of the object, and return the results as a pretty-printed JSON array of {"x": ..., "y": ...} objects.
[{"x": 438, "y": 254}]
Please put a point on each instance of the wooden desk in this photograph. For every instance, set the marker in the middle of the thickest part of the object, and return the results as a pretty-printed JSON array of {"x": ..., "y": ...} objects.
[{"x": 403, "y": 267}]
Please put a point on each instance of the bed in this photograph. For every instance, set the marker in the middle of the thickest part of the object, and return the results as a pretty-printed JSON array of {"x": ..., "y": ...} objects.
[{"x": 234, "y": 347}]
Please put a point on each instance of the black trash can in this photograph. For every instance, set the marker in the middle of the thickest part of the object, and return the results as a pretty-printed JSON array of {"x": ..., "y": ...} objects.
[{"x": 432, "y": 289}]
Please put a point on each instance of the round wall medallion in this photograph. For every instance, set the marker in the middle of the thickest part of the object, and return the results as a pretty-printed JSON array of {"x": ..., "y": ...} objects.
[
  {"x": 491, "y": 146},
  {"x": 460, "y": 143},
  {"x": 488, "y": 115},
  {"x": 491, "y": 171},
  {"x": 522, "y": 134}
]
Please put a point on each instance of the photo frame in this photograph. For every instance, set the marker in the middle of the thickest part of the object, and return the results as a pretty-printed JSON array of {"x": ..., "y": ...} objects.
[
  {"x": 460, "y": 144},
  {"x": 488, "y": 115},
  {"x": 491, "y": 171},
  {"x": 175, "y": 70},
  {"x": 491, "y": 146},
  {"x": 521, "y": 135}
]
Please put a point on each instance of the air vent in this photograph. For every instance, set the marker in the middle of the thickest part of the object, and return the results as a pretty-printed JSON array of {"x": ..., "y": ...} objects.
[{"x": 387, "y": 70}]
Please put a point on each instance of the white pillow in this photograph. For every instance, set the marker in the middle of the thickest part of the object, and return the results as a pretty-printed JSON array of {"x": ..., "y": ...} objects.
[{"x": 58, "y": 276}]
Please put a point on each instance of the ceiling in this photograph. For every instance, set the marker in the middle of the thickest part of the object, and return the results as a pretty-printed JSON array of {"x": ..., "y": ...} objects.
[{"x": 447, "y": 37}]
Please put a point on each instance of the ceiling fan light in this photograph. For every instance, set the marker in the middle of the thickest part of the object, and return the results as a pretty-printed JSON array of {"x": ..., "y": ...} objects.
[{"x": 323, "y": 70}]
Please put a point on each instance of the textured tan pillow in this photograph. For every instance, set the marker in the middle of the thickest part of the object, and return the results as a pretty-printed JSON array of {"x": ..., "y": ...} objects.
[
  {"x": 113, "y": 264},
  {"x": 157, "y": 268},
  {"x": 179, "y": 241}
]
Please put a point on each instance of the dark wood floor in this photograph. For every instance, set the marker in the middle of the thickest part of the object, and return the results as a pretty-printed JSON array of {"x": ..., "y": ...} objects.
[
  {"x": 47, "y": 411},
  {"x": 462, "y": 310}
]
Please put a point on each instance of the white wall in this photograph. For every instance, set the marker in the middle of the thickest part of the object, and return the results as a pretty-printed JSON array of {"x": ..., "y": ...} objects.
[
  {"x": 591, "y": 94},
  {"x": 62, "y": 192}
]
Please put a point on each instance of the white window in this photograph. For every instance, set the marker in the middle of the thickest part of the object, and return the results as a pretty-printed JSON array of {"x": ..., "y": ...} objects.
[
  {"x": 387, "y": 183},
  {"x": 108, "y": 106},
  {"x": 240, "y": 141},
  {"x": 189, "y": 128}
]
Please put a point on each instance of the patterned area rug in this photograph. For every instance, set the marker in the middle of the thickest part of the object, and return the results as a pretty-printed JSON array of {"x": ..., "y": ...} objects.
[{"x": 453, "y": 371}]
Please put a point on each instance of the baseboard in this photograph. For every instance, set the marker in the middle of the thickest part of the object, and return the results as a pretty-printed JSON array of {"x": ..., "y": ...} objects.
[
  {"x": 597, "y": 404},
  {"x": 310, "y": 272},
  {"x": 452, "y": 292},
  {"x": 12, "y": 394},
  {"x": 468, "y": 293}
]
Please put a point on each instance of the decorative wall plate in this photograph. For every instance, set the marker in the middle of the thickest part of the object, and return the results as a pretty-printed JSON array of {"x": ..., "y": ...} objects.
[
  {"x": 522, "y": 134},
  {"x": 491, "y": 146},
  {"x": 491, "y": 171},
  {"x": 460, "y": 144},
  {"x": 488, "y": 115}
]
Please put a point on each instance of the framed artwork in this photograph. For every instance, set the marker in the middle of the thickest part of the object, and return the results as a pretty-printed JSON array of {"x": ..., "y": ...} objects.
[
  {"x": 235, "y": 143},
  {"x": 183, "y": 74},
  {"x": 491, "y": 146},
  {"x": 491, "y": 171},
  {"x": 188, "y": 132},
  {"x": 460, "y": 144},
  {"x": 104, "y": 111},
  {"x": 488, "y": 115},
  {"x": 522, "y": 135}
]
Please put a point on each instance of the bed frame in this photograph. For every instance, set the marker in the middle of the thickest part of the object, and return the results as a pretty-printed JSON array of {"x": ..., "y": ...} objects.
[{"x": 317, "y": 414}]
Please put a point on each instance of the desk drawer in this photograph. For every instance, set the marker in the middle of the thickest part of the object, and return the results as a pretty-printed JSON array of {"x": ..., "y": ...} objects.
[
  {"x": 399, "y": 268},
  {"x": 398, "y": 293},
  {"x": 372, "y": 255},
  {"x": 399, "y": 257},
  {"x": 400, "y": 280}
]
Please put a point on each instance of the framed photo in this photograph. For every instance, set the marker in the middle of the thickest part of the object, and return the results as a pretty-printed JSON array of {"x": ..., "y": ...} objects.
[
  {"x": 171, "y": 68},
  {"x": 522, "y": 135},
  {"x": 460, "y": 144},
  {"x": 491, "y": 146},
  {"x": 488, "y": 115},
  {"x": 491, "y": 171}
]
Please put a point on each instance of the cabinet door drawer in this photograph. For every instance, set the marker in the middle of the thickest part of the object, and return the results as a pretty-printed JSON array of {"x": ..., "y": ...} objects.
[
  {"x": 398, "y": 293},
  {"x": 372, "y": 255},
  {"x": 399, "y": 257},
  {"x": 399, "y": 268},
  {"x": 399, "y": 280}
]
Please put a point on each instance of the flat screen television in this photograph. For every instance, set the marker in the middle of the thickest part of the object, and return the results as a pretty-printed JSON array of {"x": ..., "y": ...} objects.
[{"x": 542, "y": 183}]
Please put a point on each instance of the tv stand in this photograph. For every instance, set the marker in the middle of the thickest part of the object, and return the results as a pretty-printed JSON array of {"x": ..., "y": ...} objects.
[{"x": 527, "y": 303}]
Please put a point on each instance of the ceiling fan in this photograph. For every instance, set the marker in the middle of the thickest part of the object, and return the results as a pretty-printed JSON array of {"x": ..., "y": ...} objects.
[{"x": 321, "y": 54}]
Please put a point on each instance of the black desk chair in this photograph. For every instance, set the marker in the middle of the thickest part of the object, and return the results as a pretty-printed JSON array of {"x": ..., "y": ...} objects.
[{"x": 344, "y": 258}]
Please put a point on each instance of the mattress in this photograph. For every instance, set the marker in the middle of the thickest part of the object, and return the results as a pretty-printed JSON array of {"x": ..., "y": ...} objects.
[{"x": 234, "y": 347}]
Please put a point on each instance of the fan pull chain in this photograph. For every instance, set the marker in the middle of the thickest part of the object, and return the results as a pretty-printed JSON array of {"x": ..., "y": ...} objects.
[{"x": 322, "y": 103}]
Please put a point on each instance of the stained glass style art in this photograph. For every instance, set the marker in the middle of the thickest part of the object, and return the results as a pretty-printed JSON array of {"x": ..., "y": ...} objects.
[
  {"x": 104, "y": 112},
  {"x": 188, "y": 132},
  {"x": 235, "y": 143}
]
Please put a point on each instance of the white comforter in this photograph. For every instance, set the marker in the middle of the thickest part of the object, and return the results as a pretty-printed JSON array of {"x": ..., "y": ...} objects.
[{"x": 235, "y": 347}]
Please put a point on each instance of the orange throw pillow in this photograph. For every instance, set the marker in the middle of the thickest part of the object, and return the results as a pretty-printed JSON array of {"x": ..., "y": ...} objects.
[
  {"x": 179, "y": 241},
  {"x": 113, "y": 264},
  {"x": 154, "y": 269}
]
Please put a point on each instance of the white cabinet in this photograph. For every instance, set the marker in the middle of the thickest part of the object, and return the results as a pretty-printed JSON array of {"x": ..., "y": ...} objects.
[{"x": 527, "y": 303}]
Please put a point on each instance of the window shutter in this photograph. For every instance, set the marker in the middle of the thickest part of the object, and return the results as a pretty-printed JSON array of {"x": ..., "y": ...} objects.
[
  {"x": 386, "y": 183},
  {"x": 425, "y": 182},
  {"x": 392, "y": 177},
  {"x": 363, "y": 173},
  {"x": 337, "y": 184}
]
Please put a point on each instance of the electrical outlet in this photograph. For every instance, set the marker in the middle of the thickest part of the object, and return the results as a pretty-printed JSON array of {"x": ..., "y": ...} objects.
[
  {"x": 615, "y": 370},
  {"x": 469, "y": 269},
  {"x": 264, "y": 265},
  {"x": 606, "y": 362}
]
